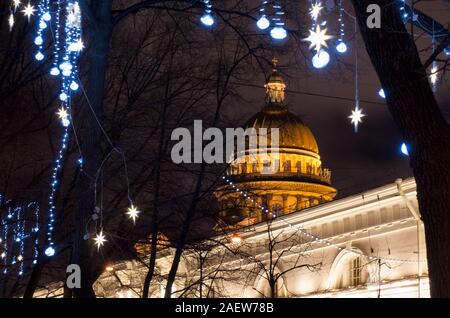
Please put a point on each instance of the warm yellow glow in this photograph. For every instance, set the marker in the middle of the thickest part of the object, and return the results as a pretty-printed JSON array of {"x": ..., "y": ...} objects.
[
  {"x": 109, "y": 268},
  {"x": 236, "y": 239},
  {"x": 318, "y": 38}
]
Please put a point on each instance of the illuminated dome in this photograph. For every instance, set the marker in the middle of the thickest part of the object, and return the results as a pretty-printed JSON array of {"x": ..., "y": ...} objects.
[
  {"x": 293, "y": 133},
  {"x": 286, "y": 180}
]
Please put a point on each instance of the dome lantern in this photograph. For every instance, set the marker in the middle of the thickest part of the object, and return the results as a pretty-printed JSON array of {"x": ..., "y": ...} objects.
[{"x": 275, "y": 86}]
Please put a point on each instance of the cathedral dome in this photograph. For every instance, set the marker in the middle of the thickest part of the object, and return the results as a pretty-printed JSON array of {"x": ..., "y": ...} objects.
[
  {"x": 286, "y": 180},
  {"x": 293, "y": 133}
]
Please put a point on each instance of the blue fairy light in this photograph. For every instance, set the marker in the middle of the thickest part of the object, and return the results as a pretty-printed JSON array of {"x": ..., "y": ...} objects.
[
  {"x": 207, "y": 19},
  {"x": 321, "y": 59},
  {"x": 341, "y": 47},
  {"x": 404, "y": 149},
  {"x": 263, "y": 23},
  {"x": 278, "y": 31}
]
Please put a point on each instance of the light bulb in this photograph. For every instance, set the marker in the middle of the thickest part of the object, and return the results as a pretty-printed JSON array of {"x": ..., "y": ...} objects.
[
  {"x": 207, "y": 19},
  {"x": 381, "y": 93},
  {"x": 74, "y": 86},
  {"x": 46, "y": 16},
  {"x": 278, "y": 33},
  {"x": 263, "y": 23},
  {"x": 42, "y": 25},
  {"x": 39, "y": 56},
  {"x": 341, "y": 47},
  {"x": 49, "y": 251},
  {"x": 63, "y": 97},
  {"x": 65, "y": 66},
  {"x": 321, "y": 59},
  {"x": 404, "y": 149},
  {"x": 54, "y": 71},
  {"x": 38, "y": 40}
]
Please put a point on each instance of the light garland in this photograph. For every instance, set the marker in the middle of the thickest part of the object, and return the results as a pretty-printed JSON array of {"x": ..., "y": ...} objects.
[
  {"x": 278, "y": 31},
  {"x": 207, "y": 19},
  {"x": 341, "y": 47},
  {"x": 357, "y": 114},
  {"x": 314, "y": 238},
  {"x": 263, "y": 23},
  {"x": 19, "y": 236},
  {"x": 318, "y": 37}
]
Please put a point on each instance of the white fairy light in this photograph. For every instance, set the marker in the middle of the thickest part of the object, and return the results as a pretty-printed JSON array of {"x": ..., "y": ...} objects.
[
  {"x": 76, "y": 46},
  {"x": 133, "y": 212},
  {"x": 11, "y": 21},
  {"x": 321, "y": 59},
  {"x": 100, "y": 239},
  {"x": 28, "y": 11},
  {"x": 315, "y": 10},
  {"x": 207, "y": 19},
  {"x": 356, "y": 117},
  {"x": 16, "y": 4}
]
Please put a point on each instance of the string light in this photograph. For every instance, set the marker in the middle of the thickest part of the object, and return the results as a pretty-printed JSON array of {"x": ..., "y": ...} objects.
[
  {"x": 381, "y": 93},
  {"x": 19, "y": 235},
  {"x": 404, "y": 149},
  {"x": 278, "y": 31},
  {"x": 321, "y": 59},
  {"x": 263, "y": 23},
  {"x": 341, "y": 47},
  {"x": 314, "y": 238},
  {"x": 207, "y": 19},
  {"x": 315, "y": 9},
  {"x": 403, "y": 10}
]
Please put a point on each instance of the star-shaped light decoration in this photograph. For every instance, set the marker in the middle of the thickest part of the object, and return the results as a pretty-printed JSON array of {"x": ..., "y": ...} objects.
[
  {"x": 28, "y": 11},
  {"x": 356, "y": 117},
  {"x": 11, "y": 21},
  {"x": 76, "y": 46},
  {"x": 99, "y": 239},
  {"x": 64, "y": 116},
  {"x": 318, "y": 38},
  {"x": 133, "y": 212},
  {"x": 315, "y": 10},
  {"x": 16, "y": 4}
]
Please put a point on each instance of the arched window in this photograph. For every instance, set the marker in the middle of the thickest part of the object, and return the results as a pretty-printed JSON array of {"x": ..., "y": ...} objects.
[{"x": 348, "y": 270}]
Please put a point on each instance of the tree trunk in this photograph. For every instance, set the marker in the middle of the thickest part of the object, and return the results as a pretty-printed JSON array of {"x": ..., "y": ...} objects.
[
  {"x": 90, "y": 136},
  {"x": 34, "y": 279},
  {"x": 415, "y": 111}
]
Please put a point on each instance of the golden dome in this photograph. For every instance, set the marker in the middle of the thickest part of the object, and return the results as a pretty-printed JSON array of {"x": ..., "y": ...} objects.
[
  {"x": 283, "y": 181},
  {"x": 293, "y": 133}
]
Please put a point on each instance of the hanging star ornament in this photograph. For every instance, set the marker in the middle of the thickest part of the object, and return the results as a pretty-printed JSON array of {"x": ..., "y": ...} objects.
[
  {"x": 99, "y": 239},
  {"x": 356, "y": 117},
  {"x": 11, "y": 21},
  {"x": 318, "y": 38},
  {"x": 28, "y": 11},
  {"x": 16, "y": 4},
  {"x": 315, "y": 10},
  {"x": 133, "y": 212}
]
